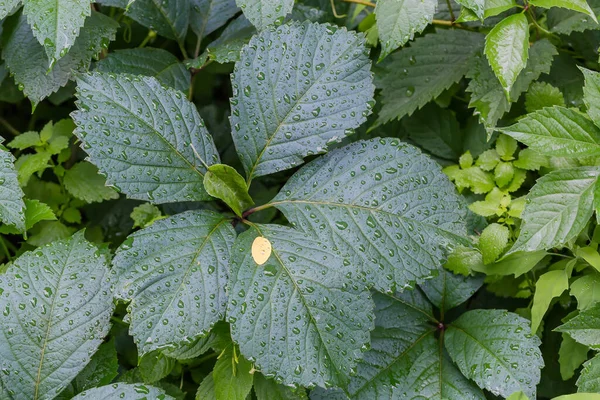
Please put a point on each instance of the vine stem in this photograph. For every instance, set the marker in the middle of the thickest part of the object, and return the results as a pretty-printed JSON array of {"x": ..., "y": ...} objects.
[
  {"x": 452, "y": 18},
  {"x": 256, "y": 209},
  {"x": 9, "y": 127}
]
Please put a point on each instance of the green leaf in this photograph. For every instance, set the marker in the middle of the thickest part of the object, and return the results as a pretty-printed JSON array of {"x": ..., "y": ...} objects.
[
  {"x": 591, "y": 94},
  {"x": 405, "y": 359},
  {"x": 488, "y": 160},
  {"x": 57, "y": 304},
  {"x": 85, "y": 183},
  {"x": 174, "y": 275},
  {"x": 396, "y": 221},
  {"x": 589, "y": 378},
  {"x": 267, "y": 389},
  {"x": 565, "y": 21},
  {"x": 578, "y": 396},
  {"x": 48, "y": 232},
  {"x": 507, "y": 49},
  {"x": 432, "y": 64},
  {"x": 557, "y": 131},
  {"x": 148, "y": 61},
  {"x": 570, "y": 356},
  {"x": 171, "y": 148},
  {"x": 575, "y": 5},
  {"x": 12, "y": 207},
  {"x": 7, "y": 7},
  {"x": 548, "y": 286},
  {"x": 530, "y": 160},
  {"x": 495, "y": 7},
  {"x": 487, "y": 94},
  {"x": 398, "y": 21},
  {"x": 586, "y": 290},
  {"x": 503, "y": 174},
  {"x": 27, "y": 61},
  {"x": 25, "y": 140},
  {"x": 541, "y": 95},
  {"x": 35, "y": 211},
  {"x": 224, "y": 182},
  {"x": 57, "y": 23},
  {"x": 209, "y": 15},
  {"x": 506, "y": 147},
  {"x": 295, "y": 108},
  {"x": 493, "y": 241},
  {"x": 232, "y": 377},
  {"x": 29, "y": 164},
  {"x": 477, "y": 6},
  {"x": 493, "y": 348},
  {"x": 263, "y": 13},
  {"x": 155, "y": 366},
  {"x": 558, "y": 208},
  {"x": 585, "y": 327},
  {"x": 227, "y": 47},
  {"x": 448, "y": 290},
  {"x": 144, "y": 215},
  {"x": 206, "y": 390},
  {"x": 118, "y": 391},
  {"x": 285, "y": 314}
]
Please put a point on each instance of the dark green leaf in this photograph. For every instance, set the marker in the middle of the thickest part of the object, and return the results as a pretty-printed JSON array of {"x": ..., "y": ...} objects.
[
  {"x": 585, "y": 327},
  {"x": 263, "y": 13},
  {"x": 209, "y": 15},
  {"x": 541, "y": 95},
  {"x": 267, "y": 389},
  {"x": 448, "y": 290},
  {"x": 575, "y": 5},
  {"x": 85, "y": 183}
]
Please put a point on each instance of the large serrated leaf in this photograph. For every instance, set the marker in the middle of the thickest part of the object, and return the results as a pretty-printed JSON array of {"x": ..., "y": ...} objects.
[
  {"x": 385, "y": 200},
  {"x": 558, "y": 208},
  {"x": 296, "y": 89},
  {"x": 263, "y": 13},
  {"x": 7, "y": 6},
  {"x": 174, "y": 273},
  {"x": 412, "y": 77},
  {"x": 56, "y": 24},
  {"x": 120, "y": 391},
  {"x": 589, "y": 379},
  {"x": 27, "y": 60},
  {"x": 399, "y": 20},
  {"x": 494, "y": 348},
  {"x": 148, "y": 61},
  {"x": 303, "y": 316},
  {"x": 148, "y": 139},
  {"x": 557, "y": 131},
  {"x": 591, "y": 94},
  {"x": 12, "y": 207},
  {"x": 209, "y": 15},
  {"x": 56, "y": 304}
]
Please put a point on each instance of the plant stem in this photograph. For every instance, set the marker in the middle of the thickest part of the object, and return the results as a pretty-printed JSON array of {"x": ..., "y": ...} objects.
[
  {"x": 363, "y": 2},
  {"x": 3, "y": 243},
  {"x": 452, "y": 18},
  {"x": 9, "y": 127},
  {"x": 150, "y": 36},
  {"x": 256, "y": 209}
]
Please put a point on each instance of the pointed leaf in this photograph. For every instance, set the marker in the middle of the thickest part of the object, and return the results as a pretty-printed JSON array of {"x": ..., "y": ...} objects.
[
  {"x": 570, "y": 356},
  {"x": 294, "y": 95},
  {"x": 576, "y": 5},
  {"x": 7, "y": 6},
  {"x": 448, "y": 290},
  {"x": 174, "y": 273},
  {"x": 385, "y": 200},
  {"x": 548, "y": 286},
  {"x": 585, "y": 327},
  {"x": 85, "y": 183},
  {"x": 57, "y": 304},
  {"x": 304, "y": 315},
  {"x": 477, "y": 6},
  {"x": 591, "y": 94},
  {"x": 209, "y": 15},
  {"x": 398, "y": 21},
  {"x": 119, "y": 391},
  {"x": 586, "y": 290},
  {"x": 494, "y": 348},
  {"x": 267, "y": 389},
  {"x": 589, "y": 378},
  {"x": 224, "y": 182},
  {"x": 541, "y": 95},
  {"x": 230, "y": 383},
  {"x": 564, "y": 21},
  {"x": 12, "y": 207},
  {"x": 558, "y": 208},
  {"x": 148, "y": 139},
  {"x": 263, "y": 13},
  {"x": 148, "y": 61},
  {"x": 507, "y": 49}
]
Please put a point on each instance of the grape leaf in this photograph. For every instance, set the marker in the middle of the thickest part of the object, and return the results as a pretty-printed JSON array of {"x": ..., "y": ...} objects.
[
  {"x": 27, "y": 60},
  {"x": 413, "y": 76},
  {"x": 548, "y": 286},
  {"x": 398, "y": 21},
  {"x": 385, "y": 200},
  {"x": 148, "y": 61},
  {"x": 591, "y": 94},
  {"x": 148, "y": 139},
  {"x": 304, "y": 315},
  {"x": 12, "y": 207},
  {"x": 57, "y": 304},
  {"x": 181, "y": 260},
  {"x": 585, "y": 327},
  {"x": 263, "y": 13},
  {"x": 507, "y": 49},
  {"x": 576, "y": 5},
  {"x": 589, "y": 378},
  {"x": 119, "y": 391},
  {"x": 493, "y": 348},
  {"x": 294, "y": 95},
  {"x": 224, "y": 182},
  {"x": 209, "y": 15},
  {"x": 558, "y": 208},
  {"x": 85, "y": 183},
  {"x": 557, "y": 131}
]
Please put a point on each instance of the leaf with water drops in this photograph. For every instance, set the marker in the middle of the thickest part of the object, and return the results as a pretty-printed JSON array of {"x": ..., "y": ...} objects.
[
  {"x": 585, "y": 327},
  {"x": 589, "y": 379},
  {"x": 496, "y": 350},
  {"x": 263, "y": 13},
  {"x": 386, "y": 201},
  {"x": 120, "y": 391},
  {"x": 56, "y": 24},
  {"x": 148, "y": 61},
  {"x": 7, "y": 6},
  {"x": 12, "y": 207},
  {"x": 297, "y": 88},
  {"x": 27, "y": 60},
  {"x": 209, "y": 15},
  {"x": 174, "y": 275},
  {"x": 576, "y": 5},
  {"x": 148, "y": 139},
  {"x": 267, "y": 389},
  {"x": 448, "y": 290},
  {"x": 56, "y": 303},
  {"x": 410, "y": 78},
  {"x": 302, "y": 317},
  {"x": 232, "y": 376},
  {"x": 398, "y": 21}
]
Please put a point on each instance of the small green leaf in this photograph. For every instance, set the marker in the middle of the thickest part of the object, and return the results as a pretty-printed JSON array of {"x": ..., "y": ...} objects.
[
  {"x": 128, "y": 391},
  {"x": 465, "y": 160},
  {"x": 507, "y": 49},
  {"x": 530, "y": 160},
  {"x": 495, "y": 7},
  {"x": 144, "y": 215},
  {"x": 493, "y": 241},
  {"x": 548, "y": 286},
  {"x": 541, "y": 95},
  {"x": 585, "y": 327},
  {"x": 463, "y": 259},
  {"x": 267, "y": 389},
  {"x": 512, "y": 264},
  {"x": 591, "y": 94},
  {"x": 488, "y": 160},
  {"x": 49, "y": 231},
  {"x": 589, "y": 378},
  {"x": 224, "y": 182},
  {"x": 11, "y": 195},
  {"x": 570, "y": 356},
  {"x": 575, "y": 5},
  {"x": 232, "y": 377},
  {"x": 506, "y": 147},
  {"x": 263, "y": 13},
  {"x": 85, "y": 183},
  {"x": 586, "y": 290},
  {"x": 494, "y": 348},
  {"x": 155, "y": 366},
  {"x": 25, "y": 140},
  {"x": 503, "y": 174},
  {"x": 477, "y": 6}
]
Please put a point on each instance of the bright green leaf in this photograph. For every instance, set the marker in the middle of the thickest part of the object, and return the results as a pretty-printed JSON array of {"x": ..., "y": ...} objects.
[
  {"x": 224, "y": 182},
  {"x": 585, "y": 327},
  {"x": 570, "y": 356},
  {"x": 477, "y": 6},
  {"x": 504, "y": 174},
  {"x": 575, "y": 5},
  {"x": 49, "y": 231},
  {"x": 144, "y": 215},
  {"x": 232, "y": 377},
  {"x": 493, "y": 241},
  {"x": 586, "y": 290},
  {"x": 541, "y": 95},
  {"x": 25, "y": 140},
  {"x": 85, "y": 183},
  {"x": 530, "y": 160},
  {"x": 267, "y": 389},
  {"x": 589, "y": 379},
  {"x": 548, "y": 286}
]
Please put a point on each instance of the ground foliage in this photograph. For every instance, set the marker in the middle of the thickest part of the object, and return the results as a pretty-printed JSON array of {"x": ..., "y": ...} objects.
[{"x": 278, "y": 199}]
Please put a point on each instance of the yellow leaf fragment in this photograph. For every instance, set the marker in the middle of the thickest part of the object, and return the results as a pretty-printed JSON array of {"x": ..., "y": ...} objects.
[{"x": 261, "y": 250}]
